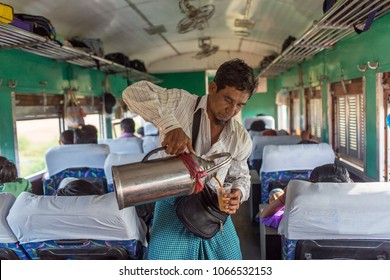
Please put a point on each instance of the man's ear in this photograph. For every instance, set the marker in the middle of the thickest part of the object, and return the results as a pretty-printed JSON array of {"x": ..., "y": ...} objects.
[{"x": 212, "y": 88}]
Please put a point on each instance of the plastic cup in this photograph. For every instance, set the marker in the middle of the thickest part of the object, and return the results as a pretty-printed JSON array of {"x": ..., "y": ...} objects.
[{"x": 223, "y": 201}]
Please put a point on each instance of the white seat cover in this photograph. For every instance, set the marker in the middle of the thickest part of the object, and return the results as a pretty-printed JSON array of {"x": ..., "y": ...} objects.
[
  {"x": 260, "y": 141},
  {"x": 62, "y": 157},
  {"x": 130, "y": 145},
  {"x": 35, "y": 218},
  {"x": 119, "y": 159},
  {"x": 6, "y": 234},
  {"x": 296, "y": 157},
  {"x": 336, "y": 211}
]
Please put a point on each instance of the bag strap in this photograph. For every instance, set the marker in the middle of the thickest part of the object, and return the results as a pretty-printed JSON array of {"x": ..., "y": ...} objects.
[{"x": 196, "y": 122}]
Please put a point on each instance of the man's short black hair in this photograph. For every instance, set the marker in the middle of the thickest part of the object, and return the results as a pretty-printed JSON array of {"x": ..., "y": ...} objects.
[
  {"x": 67, "y": 137},
  {"x": 128, "y": 125},
  {"x": 235, "y": 73},
  {"x": 86, "y": 134}
]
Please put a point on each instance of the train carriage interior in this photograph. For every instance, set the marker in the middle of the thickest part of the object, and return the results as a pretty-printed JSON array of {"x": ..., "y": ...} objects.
[{"x": 322, "y": 97}]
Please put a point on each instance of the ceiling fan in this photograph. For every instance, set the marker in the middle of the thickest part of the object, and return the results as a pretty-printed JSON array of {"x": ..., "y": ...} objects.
[
  {"x": 196, "y": 18},
  {"x": 206, "y": 48}
]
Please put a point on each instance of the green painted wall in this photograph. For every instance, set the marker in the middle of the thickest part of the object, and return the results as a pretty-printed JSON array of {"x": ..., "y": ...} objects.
[{"x": 193, "y": 82}]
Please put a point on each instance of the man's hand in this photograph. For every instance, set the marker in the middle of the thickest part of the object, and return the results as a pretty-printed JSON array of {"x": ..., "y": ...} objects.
[
  {"x": 234, "y": 201},
  {"x": 177, "y": 142}
]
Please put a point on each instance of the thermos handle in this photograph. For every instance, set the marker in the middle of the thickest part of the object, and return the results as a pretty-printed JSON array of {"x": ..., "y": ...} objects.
[
  {"x": 146, "y": 157},
  {"x": 221, "y": 164},
  {"x": 212, "y": 157}
]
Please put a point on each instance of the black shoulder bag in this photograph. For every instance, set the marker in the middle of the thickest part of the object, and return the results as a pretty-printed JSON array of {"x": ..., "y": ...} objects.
[{"x": 199, "y": 212}]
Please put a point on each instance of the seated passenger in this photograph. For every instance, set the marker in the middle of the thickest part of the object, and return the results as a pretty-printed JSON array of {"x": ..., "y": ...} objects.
[
  {"x": 257, "y": 126},
  {"x": 270, "y": 132},
  {"x": 9, "y": 181},
  {"x": 306, "y": 137},
  {"x": 66, "y": 137},
  {"x": 274, "y": 220},
  {"x": 85, "y": 134},
  {"x": 77, "y": 187},
  {"x": 325, "y": 173},
  {"x": 127, "y": 128},
  {"x": 141, "y": 131}
]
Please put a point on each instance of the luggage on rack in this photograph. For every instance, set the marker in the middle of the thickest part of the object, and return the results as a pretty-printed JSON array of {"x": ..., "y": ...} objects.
[
  {"x": 39, "y": 25},
  {"x": 89, "y": 45},
  {"x": 267, "y": 60},
  {"x": 119, "y": 58},
  {"x": 6, "y": 13},
  {"x": 137, "y": 65}
]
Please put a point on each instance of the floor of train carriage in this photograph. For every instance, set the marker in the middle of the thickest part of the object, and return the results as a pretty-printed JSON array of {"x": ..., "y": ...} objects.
[{"x": 247, "y": 232}]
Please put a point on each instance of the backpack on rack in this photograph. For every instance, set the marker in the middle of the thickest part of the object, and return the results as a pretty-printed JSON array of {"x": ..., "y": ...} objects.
[
  {"x": 267, "y": 60},
  {"x": 39, "y": 25},
  {"x": 91, "y": 46},
  {"x": 366, "y": 21},
  {"x": 289, "y": 40},
  {"x": 119, "y": 58},
  {"x": 137, "y": 65}
]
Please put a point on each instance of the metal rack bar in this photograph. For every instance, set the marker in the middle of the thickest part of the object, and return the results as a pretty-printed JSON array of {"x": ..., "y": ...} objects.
[
  {"x": 12, "y": 37},
  {"x": 336, "y": 24}
]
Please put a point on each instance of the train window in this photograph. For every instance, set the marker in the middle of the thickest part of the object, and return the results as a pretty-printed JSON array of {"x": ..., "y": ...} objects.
[
  {"x": 35, "y": 137},
  {"x": 313, "y": 112},
  {"x": 295, "y": 113},
  {"x": 349, "y": 132}
]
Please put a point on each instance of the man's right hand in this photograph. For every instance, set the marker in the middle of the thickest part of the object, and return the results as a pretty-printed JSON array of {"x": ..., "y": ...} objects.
[{"x": 177, "y": 142}]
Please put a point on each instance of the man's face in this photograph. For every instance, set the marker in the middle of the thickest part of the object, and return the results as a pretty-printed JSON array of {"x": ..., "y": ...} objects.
[{"x": 226, "y": 103}]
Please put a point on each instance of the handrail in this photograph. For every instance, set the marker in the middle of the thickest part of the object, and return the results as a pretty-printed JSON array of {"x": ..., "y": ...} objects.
[
  {"x": 336, "y": 24},
  {"x": 12, "y": 37}
]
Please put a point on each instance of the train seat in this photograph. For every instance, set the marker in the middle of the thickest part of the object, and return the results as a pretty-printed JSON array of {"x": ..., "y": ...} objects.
[
  {"x": 10, "y": 248},
  {"x": 269, "y": 121},
  {"x": 131, "y": 145},
  {"x": 336, "y": 221},
  {"x": 260, "y": 141},
  {"x": 77, "y": 160},
  {"x": 77, "y": 227},
  {"x": 118, "y": 159},
  {"x": 151, "y": 140},
  {"x": 281, "y": 163}
]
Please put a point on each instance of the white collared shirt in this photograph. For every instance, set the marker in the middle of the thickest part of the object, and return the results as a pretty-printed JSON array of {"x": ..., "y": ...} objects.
[{"x": 169, "y": 109}]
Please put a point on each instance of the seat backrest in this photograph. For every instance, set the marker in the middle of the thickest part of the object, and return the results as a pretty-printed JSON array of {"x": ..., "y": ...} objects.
[
  {"x": 285, "y": 162},
  {"x": 150, "y": 129},
  {"x": 346, "y": 215},
  {"x": 76, "y": 160},
  {"x": 9, "y": 246},
  {"x": 260, "y": 141},
  {"x": 269, "y": 121},
  {"x": 62, "y": 157},
  {"x": 129, "y": 145},
  {"x": 118, "y": 159},
  {"x": 39, "y": 221},
  {"x": 150, "y": 143}
]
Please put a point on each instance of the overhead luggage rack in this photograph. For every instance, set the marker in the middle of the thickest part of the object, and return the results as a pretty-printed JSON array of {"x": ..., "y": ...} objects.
[
  {"x": 12, "y": 37},
  {"x": 336, "y": 24}
]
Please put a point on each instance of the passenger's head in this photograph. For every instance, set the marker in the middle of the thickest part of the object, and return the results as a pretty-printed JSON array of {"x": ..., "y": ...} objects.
[
  {"x": 141, "y": 131},
  {"x": 66, "y": 137},
  {"x": 8, "y": 171},
  {"x": 127, "y": 125},
  {"x": 257, "y": 125},
  {"x": 78, "y": 187},
  {"x": 274, "y": 194},
  {"x": 233, "y": 85},
  {"x": 86, "y": 134},
  {"x": 331, "y": 173}
]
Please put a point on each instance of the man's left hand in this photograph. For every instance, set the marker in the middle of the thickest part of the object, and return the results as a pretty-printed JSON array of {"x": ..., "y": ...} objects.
[{"x": 234, "y": 202}]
